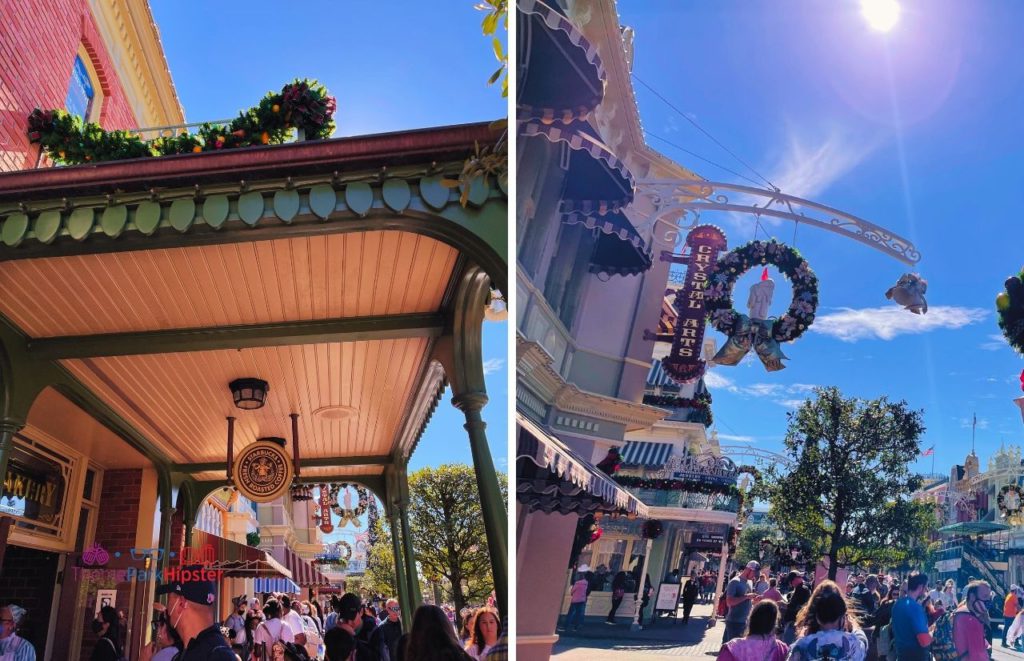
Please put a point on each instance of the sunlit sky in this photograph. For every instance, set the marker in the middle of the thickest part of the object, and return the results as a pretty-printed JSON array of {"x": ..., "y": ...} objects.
[
  {"x": 917, "y": 129},
  {"x": 392, "y": 66}
]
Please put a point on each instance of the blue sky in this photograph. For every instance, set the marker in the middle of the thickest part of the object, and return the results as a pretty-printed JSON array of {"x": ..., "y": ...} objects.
[
  {"x": 392, "y": 66},
  {"x": 918, "y": 130}
]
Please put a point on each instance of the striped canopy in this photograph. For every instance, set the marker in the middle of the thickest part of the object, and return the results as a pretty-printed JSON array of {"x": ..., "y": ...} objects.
[
  {"x": 646, "y": 453},
  {"x": 303, "y": 572},
  {"x": 276, "y": 585}
]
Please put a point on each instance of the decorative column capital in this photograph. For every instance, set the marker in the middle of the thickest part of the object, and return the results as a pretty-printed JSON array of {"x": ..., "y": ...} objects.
[
  {"x": 11, "y": 426},
  {"x": 470, "y": 402}
]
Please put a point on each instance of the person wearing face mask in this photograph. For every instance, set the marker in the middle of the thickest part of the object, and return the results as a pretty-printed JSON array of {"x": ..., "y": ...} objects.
[
  {"x": 349, "y": 622},
  {"x": 971, "y": 623},
  {"x": 235, "y": 622},
  {"x": 166, "y": 644},
  {"x": 107, "y": 626},
  {"x": 190, "y": 614},
  {"x": 12, "y": 646},
  {"x": 909, "y": 622}
]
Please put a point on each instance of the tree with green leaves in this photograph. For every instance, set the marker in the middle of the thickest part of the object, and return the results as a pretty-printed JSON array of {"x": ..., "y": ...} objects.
[
  {"x": 447, "y": 528},
  {"x": 748, "y": 546},
  {"x": 847, "y": 491},
  {"x": 380, "y": 577}
]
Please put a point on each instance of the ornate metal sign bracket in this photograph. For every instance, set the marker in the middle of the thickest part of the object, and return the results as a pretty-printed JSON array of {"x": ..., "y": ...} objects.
[{"x": 679, "y": 204}]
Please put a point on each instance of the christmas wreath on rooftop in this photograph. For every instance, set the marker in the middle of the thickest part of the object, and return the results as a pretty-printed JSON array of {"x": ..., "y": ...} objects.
[
  {"x": 1010, "y": 312},
  {"x": 304, "y": 105}
]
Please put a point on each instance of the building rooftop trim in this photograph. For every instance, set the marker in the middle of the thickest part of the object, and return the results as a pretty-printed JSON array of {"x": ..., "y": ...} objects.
[{"x": 438, "y": 144}]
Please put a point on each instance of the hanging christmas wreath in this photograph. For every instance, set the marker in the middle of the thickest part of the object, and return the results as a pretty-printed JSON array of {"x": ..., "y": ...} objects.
[
  {"x": 348, "y": 513},
  {"x": 342, "y": 544},
  {"x": 1010, "y": 312},
  {"x": 304, "y": 104},
  {"x": 800, "y": 315},
  {"x": 652, "y": 529},
  {"x": 1010, "y": 501},
  {"x": 665, "y": 484}
]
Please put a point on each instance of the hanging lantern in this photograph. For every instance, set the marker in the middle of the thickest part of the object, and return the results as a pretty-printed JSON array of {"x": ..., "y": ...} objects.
[{"x": 249, "y": 393}]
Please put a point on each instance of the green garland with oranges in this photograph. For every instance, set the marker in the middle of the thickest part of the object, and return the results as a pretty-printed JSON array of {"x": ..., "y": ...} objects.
[{"x": 304, "y": 105}]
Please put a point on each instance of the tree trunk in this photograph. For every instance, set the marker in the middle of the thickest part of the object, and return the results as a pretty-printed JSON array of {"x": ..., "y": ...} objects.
[{"x": 833, "y": 553}]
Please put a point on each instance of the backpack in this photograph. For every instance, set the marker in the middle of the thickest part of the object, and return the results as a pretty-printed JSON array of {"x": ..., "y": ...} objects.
[
  {"x": 120, "y": 657},
  {"x": 943, "y": 648}
]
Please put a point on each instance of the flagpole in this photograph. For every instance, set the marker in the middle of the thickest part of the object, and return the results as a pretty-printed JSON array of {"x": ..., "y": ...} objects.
[
  {"x": 974, "y": 425},
  {"x": 933, "y": 461}
]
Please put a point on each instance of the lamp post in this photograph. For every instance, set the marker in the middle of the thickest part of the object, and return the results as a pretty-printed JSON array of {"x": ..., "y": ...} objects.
[{"x": 636, "y": 626}]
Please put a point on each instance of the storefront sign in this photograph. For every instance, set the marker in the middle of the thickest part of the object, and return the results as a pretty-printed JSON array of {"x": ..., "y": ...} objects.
[
  {"x": 33, "y": 487},
  {"x": 702, "y": 467},
  {"x": 706, "y": 540},
  {"x": 263, "y": 471},
  {"x": 105, "y": 598},
  {"x": 946, "y": 566},
  {"x": 683, "y": 363}
]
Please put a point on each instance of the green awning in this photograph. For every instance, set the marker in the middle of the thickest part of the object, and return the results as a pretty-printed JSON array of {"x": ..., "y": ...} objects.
[{"x": 973, "y": 528}]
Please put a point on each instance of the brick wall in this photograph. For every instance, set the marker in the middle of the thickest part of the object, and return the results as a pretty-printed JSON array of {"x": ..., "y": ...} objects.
[
  {"x": 27, "y": 580},
  {"x": 119, "y": 509},
  {"x": 38, "y": 43}
]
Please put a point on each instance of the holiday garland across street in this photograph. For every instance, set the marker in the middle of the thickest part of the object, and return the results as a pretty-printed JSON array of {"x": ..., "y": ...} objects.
[{"x": 304, "y": 105}]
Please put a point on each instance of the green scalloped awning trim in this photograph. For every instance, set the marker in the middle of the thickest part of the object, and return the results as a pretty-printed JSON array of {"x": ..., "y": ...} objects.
[{"x": 279, "y": 201}]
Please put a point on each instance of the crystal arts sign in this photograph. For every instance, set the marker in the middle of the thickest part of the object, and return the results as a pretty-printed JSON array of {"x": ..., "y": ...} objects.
[{"x": 683, "y": 363}]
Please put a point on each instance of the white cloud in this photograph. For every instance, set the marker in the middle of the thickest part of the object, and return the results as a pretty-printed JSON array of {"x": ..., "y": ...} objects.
[
  {"x": 965, "y": 423},
  {"x": 790, "y": 403},
  {"x": 492, "y": 365},
  {"x": 715, "y": 379},
  {"x": 782, "y": 394},
  {"x": 736, "y": 438},
  {"x": 885, "y": 323},
  {"x": 808, "y": 168},
  {"x": 996, "y": 341}
]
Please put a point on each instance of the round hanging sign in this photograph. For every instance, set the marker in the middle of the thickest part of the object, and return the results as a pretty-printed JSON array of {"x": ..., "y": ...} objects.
[{"x": 263, "y": 471}]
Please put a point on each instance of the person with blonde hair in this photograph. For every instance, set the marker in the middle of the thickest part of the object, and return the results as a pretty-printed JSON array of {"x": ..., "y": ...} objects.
[
  {"x": 828, "y": 628},
  {"x": 485, "y": 632}
]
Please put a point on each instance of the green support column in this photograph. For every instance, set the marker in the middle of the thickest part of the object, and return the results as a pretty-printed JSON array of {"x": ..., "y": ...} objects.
[
  {"x": 491, "y": 503},
  {"x": 412, "y": 578},
  {"x": 403, "y": 590},
  {"x": 8, "y": 428},
  {"x": 166, "y": 514}
]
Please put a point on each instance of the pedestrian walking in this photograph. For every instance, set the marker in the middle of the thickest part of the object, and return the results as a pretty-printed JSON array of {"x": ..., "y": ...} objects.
[
  {"x": 690, "y": 591},
  {"x": 910, "y": 622},
  {"x": 486, "y": 631},
  {"x": 738, "y": 599},
  {"x": 431, "y": 638},
  {"x": 829, "y": 629},
  {"x": 1011, "y": 606},
  {"x": 577, "y": 603},
  {"x": 618, "y": 592},
  {"x": 772, "y": 592},
  {"x": 107, "y": 626},
  {"x": 799, "y": 596},
  {"x": 971, "y": 623},
  {"x": 384, "y": 639},
  {"x": 760, "y": 643}
]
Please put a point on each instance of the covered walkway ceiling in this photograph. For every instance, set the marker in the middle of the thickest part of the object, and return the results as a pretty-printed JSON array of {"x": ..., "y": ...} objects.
[{"x": 338, "y": 308}]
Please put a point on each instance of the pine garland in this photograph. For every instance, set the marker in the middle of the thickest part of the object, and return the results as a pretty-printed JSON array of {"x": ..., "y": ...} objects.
[{"x": 303, "y": 104}]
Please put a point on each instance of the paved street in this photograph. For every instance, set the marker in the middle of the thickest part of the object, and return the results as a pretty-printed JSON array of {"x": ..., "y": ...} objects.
[{"x": 597, "y": 641}]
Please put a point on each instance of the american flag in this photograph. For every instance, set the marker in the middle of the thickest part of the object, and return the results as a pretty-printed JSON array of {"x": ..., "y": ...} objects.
[{"x": 930, "y": 451}]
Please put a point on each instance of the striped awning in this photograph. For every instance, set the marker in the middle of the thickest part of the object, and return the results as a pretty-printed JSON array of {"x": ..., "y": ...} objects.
[
  {"x": 232, "y": 558},
  {"x": 305, "y": 574},
  {"x": 620, "y": 250},
  {"x": 284, "y": 585},
  {"x": 657, "y": 376},
  {"x": 646, "y": 453},
  {"x": 550, "y": 477},
  {"x": 596, "y": 180},
  {"x": 560, "y": 74}
]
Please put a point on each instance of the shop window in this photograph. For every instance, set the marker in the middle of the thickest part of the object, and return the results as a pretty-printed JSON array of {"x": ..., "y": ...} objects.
[
  {"x": 35, "y": 488},
  {"x": 81, "y": 91}
]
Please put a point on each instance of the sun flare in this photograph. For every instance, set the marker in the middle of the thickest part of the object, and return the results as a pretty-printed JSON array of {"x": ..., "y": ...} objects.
[{"x": 881, "y": 15}]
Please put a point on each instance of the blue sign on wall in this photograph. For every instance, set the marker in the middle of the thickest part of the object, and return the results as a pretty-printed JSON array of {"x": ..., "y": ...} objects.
[{"x": 80, "y": 91}]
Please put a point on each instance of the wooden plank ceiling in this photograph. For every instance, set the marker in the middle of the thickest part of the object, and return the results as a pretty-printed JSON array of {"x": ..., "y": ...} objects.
[{"x": 180, "y": 400}]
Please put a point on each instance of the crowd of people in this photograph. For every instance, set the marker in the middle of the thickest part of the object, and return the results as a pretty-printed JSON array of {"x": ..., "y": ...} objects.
[
  {"x": 281, "y": 627},
  {"x": 873, "y": 617}
]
